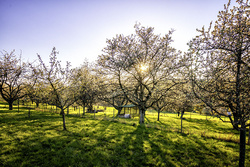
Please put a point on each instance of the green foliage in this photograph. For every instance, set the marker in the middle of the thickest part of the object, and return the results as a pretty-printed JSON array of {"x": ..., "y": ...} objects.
[{"x": 40, "y": 141}]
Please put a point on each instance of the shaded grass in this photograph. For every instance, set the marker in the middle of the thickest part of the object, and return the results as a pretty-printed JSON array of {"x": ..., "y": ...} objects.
[{"x": 40, "y": 141}]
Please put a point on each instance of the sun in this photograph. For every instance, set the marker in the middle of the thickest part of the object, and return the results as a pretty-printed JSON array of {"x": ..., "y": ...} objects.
[{"x": 143, "y": 68}]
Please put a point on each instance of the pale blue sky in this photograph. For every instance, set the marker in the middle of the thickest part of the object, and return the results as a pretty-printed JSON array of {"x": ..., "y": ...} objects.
[{"x": 79, "y": 28}]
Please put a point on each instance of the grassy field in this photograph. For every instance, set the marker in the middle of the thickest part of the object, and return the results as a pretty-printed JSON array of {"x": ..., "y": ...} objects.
[{"x": 98, "y": 140}]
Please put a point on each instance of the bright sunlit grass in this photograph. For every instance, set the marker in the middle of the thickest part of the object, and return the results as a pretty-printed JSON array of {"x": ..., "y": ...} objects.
[{"x": 38, "y": 140}]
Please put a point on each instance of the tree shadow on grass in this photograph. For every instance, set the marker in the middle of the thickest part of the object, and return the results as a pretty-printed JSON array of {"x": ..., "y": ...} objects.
[
  {"x": 104, "y": 143},
  {"x": 147, "y": 120},
  {"x": 144, "y": 148},
  {"x": 211, "y": 125},
  {"x": 164, "y": 124},
  {"x": 23, "y": 116},
  {"x": 151, "y": 148},
  {"x": 130, "y": 149}
]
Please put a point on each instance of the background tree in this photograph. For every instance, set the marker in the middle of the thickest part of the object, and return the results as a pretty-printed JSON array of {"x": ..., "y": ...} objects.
[
  {"x": 141, "y": 63},
  {"x": 179, "y": 99},
  {"x": 60, "y": 80},
  {"x": 160, "y": 105},
  {"x": 13, "y": 79},
  {"x": 35, "y": 89},
  {"x": 220, "y": 72},
  {"x": 82, "y": 77},
  {"x": 87, "y": 83},
  {"x": 164, "y": 101},
  {"x": 183, "y": 101},
  {"x": 111, "y": 94}
]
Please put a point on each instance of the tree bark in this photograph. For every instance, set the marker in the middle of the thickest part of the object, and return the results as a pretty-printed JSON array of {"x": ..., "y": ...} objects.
[
  {"x": 29, "y": 112},
  {"x": 37, "y": 104},
  {"x": 182, "y": 113},
  {"x": 10, "y": 105},
  {"x": 18, "y": 105},
  {"x": 236, "y": 120},
  {"x": 141, "y": 116},
  {"x": 83, "y": 110},
  {"x": 63, "y": 116},
  {"x": 249, "y": 136},
  {"x": 79, "y": 112},
  {"x": 242, "y": 147},
  {"x": 158, "y": 119},
  {"x": 68, "y": 110},
  {"x": 119, "y": 110}
]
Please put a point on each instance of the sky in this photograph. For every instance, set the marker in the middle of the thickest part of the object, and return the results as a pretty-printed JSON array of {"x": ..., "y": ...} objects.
[{"x": 79, "y": 28}]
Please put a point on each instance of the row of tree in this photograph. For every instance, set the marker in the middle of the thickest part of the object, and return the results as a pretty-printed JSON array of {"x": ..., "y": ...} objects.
[{"x": 145, "y": 70}]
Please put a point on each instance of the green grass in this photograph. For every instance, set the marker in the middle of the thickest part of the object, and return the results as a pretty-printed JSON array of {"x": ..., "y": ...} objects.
[{"x": 38, "y": 140}]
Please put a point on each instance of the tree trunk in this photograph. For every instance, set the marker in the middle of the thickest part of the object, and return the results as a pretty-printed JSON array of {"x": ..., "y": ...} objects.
[
  {"x": 182, "y": 113},
  {"x": 18, "y": 105},
  {"x": 83, "y": 110},
  {"x": 37, "y": 104},
  {"x": 90, "y": 108},
  {"x": 67, "y": 110},
  {"x": 158, "y": 119},
  {"x": 79, "y": 112},
  {"x": 10, "y": 105},
  {"x": 242, "y": 147},
  {"x": 142, "y": 114},
  {"x": 236, "y": 120},
  {"x": 119, "y": 110},
  {"x": 238, "y": 113},
  {"x": 63, "y": 116},
  {"x": 249, "y": 136},
  {"x": 29, "y": 112}
]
